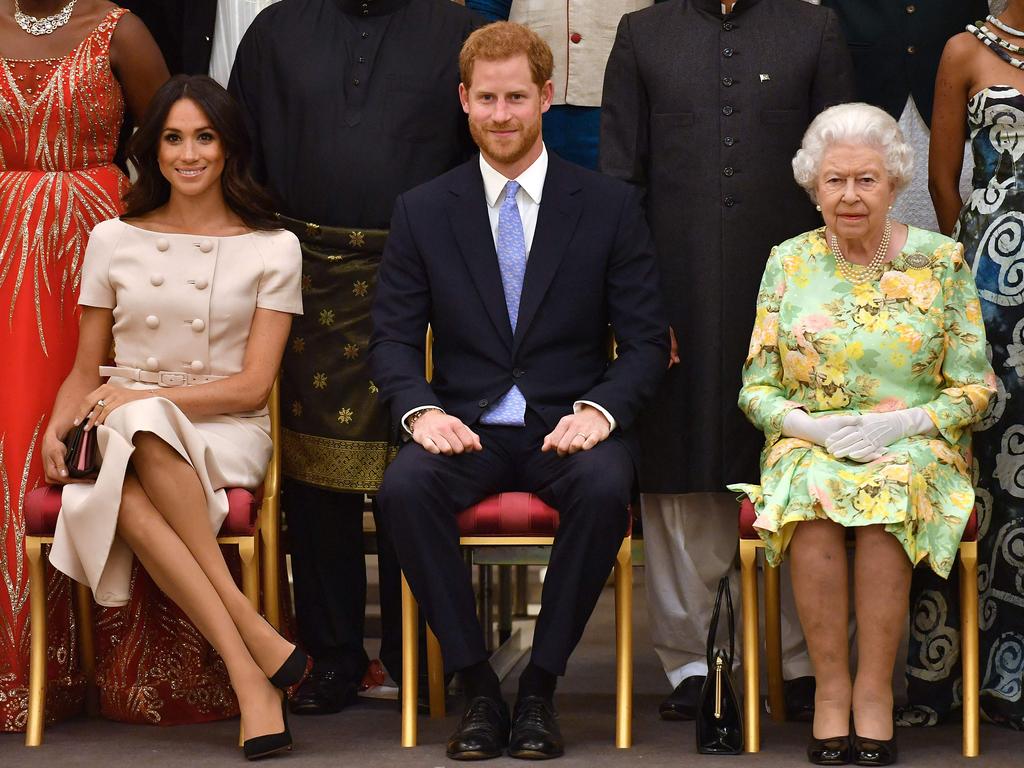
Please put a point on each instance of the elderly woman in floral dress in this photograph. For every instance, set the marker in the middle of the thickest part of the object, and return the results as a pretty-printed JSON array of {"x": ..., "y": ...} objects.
[{"x": 866, "y": 370}]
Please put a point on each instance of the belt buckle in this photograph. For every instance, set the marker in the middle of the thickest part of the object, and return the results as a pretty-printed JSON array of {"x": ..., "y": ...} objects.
[{"x": 172, "y": 379}]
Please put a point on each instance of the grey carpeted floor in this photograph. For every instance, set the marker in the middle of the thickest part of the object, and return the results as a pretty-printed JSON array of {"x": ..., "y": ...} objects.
[{"x": 368, "y": 733}]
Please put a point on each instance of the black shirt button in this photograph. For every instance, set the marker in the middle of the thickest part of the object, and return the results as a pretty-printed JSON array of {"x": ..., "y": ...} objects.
[
  {"x": 727, "y": 81},
  {"x": 729, "y": 201},
  {"x": 517, "y": 372},
  {"x": 727, "y": 110},
  {"x": 365, "y": 35},
  {"x": 355, "y": 81},
  {"x": 727, "y": 52},
  {"x": 728, "y": 171},
  {"x": 728, "y": 141},
  {"x": 728, "y": 26},
  {"x": 483, "y": 403},
  {"x": 362, "y": 59}
]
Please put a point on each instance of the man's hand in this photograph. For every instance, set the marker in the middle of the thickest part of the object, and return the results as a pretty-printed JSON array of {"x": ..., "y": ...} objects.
[
  {"x": 437, "y": 432},
  {"x": 673, "y": 350},
  {"x": 578, "y": 432}
]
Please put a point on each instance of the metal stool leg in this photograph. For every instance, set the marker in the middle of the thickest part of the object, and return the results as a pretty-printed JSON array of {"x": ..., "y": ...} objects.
[
  {"x": 37, "y": 654},
  {"x": 86, "y": 647},
  {"x": 773, "y": 642},
  {"x": 751, "y": 650},
  {"x": 410, "y": 664},
  {"x": 624, "y": 645},
  {"x": 969, "y": 646}
]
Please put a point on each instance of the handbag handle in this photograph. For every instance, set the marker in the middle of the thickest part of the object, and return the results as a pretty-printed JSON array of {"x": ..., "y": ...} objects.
[{"x": 723, "y": 589}]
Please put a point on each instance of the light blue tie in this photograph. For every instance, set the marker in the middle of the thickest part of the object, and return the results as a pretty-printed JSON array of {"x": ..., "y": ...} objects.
[{"x": 510, "y": 409}]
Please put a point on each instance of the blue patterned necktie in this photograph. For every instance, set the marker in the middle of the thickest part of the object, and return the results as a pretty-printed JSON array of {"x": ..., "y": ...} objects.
[{"x": 510, "y": 409}]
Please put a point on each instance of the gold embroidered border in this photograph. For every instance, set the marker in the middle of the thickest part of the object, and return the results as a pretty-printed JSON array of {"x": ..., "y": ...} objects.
[{"x": 338, "y": 465}]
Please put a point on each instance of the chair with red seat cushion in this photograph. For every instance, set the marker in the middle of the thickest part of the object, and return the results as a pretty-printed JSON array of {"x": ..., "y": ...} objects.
[
  {"x": 516, "y": 520},
  {"x": 253, "y": 517},
  {"x": 750, "y": 542}
]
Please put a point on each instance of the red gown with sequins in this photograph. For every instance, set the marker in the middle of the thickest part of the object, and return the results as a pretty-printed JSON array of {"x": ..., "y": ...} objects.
[{"x": 59, "y": 125}]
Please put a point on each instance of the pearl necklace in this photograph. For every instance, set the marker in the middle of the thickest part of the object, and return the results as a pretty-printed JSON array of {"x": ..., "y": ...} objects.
[
  {"x": 855, "y": 273},
  {"x": 1003, "y": 26},
  {"x": 46, "y": 25}
]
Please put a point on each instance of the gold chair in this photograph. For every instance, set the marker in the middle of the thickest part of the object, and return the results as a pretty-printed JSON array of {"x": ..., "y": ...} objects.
[
  {"x": 750, "y": 542},
  {"x": 250, "y": 517}
]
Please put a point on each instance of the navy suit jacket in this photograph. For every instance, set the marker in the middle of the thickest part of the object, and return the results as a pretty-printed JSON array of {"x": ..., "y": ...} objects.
[{"x": 591, "y": 265}]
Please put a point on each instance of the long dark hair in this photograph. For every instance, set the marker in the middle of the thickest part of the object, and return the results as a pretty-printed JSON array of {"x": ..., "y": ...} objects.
[{"x": 243, "y": 195}]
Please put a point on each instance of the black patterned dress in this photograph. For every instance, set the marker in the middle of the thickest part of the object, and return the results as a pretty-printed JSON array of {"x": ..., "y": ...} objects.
[{"x": 991, "y": 227}]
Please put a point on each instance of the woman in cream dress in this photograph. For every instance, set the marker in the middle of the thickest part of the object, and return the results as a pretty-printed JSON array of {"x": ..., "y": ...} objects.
[{"x": 197, "y": 291}]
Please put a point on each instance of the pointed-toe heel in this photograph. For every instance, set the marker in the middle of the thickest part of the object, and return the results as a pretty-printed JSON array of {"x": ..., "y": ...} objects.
[
  {"x": 874, "y": 751},
  {"x": 292, "y": 671},
  {"x": 834, "y": 751},
  {"x": 270, "y": 743}
]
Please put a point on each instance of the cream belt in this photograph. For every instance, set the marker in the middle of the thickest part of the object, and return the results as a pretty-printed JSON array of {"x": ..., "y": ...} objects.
[{"x": 163, "y": 378}]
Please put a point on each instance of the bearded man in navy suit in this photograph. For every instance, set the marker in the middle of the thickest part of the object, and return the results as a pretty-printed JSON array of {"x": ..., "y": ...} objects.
[{"x": 519, "y": 262}]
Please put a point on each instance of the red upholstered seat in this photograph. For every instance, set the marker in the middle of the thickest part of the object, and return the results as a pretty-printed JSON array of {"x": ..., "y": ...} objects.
[
  {"x": 509, "y": 514},
  {"x": 748, "y": 515},
  {"x": 42, "y": 506}
]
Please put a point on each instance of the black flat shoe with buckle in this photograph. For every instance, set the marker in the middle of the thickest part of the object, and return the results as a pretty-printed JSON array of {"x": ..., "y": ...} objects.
[
  {"x": 482, "y": 732},
  {"x": 834, "y": 751}
]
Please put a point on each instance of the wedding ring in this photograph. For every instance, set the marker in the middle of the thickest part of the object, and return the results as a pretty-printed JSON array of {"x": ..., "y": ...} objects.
[
  {"x": 101, "y": 403},
  {"x": 580, "y": 434}
]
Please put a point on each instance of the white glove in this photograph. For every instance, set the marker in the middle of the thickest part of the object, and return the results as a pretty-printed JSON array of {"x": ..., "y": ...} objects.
[
  {"x": 800, "y": 424},
  {"x": 868, "y": 439}
]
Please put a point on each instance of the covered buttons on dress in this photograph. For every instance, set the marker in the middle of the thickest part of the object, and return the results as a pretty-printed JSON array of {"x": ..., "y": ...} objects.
[
  {"x": 198, "y": 325},
  {"x": 156, "y": 279},
  {"x": 152, "y": 321},
  {"x": 152, "y": 364},
  {"x": 197, "y": 366},
  {"x": 162, "y": 244},
  {"x": 205, "y": 246}
]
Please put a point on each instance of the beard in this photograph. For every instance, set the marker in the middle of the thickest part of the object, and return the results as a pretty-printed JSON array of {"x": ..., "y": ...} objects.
[{"x": 508, "y": 151}]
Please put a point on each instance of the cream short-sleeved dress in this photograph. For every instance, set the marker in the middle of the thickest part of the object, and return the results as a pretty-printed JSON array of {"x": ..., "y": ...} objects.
[{"x": 181, "y": 303}]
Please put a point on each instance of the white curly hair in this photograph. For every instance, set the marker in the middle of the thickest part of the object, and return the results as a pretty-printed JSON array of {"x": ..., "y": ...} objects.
[{"x": 858, "y": 124}]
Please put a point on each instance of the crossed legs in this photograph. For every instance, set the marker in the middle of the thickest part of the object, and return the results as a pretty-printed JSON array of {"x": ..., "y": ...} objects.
[
  {"x": 163, "y": 520},
  {"x": 881, "y": 587}
]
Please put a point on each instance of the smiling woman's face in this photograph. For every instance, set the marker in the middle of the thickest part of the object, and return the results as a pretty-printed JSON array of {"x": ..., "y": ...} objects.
[
  {"x": 854, "y": 191},
  {"x": 191, "y": 155}
]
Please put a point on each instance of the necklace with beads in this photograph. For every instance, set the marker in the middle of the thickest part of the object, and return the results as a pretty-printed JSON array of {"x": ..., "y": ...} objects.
[
  {"x": 1002, "y": 25},
  {"x": 1006, "y": 45},
  {"x": 995, "y": 43},
  {"x": 856, "y": 273},
  {"x": 46, "y": 25}
]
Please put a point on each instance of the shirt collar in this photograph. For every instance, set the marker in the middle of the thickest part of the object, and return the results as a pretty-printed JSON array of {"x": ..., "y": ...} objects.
[
  {"x": 370, "y": 7},
  {"x": 531, "y": 180},
  {"x": 715, "y": 6}
]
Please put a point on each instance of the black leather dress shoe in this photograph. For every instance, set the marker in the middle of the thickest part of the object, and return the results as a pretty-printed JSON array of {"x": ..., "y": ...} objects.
[
  {"x": 324, "y": 692},
  {"x": 874, "y": 751},
  {"x": 681, "y": 704},
  {"x": 483, "y": 731},
  {"x": 835, "y": 751},
  {"x": 799, "y": 698},
  {"x": 535, "y": 731}
]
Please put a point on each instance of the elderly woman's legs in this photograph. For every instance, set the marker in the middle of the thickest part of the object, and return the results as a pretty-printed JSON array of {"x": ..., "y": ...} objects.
[
  {"x": 818, "y": 568},
  {"x": 881, "y": 576},
  {"x": 171, "y": 565}
]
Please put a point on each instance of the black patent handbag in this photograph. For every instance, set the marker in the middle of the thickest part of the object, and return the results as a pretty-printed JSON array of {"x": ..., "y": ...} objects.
[
  {"x": 81, "y": 458},
  {"x": 719, "y": 722}
]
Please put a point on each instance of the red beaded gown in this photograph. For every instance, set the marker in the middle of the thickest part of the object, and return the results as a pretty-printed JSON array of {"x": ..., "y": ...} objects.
[{"x": 59, "y": 124}]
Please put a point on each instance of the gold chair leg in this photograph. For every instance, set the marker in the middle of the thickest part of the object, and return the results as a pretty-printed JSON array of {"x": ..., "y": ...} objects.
[
  {"x": 435, "y": 674},
  {"x": 37, "y": 654},
  {"x": 250, "y": 571},
  {"x": 410, "y": 664},
  {"x": 87, "y": 647},
  {"x": 773, "y": 642},
  {"x": 751, "y": 649},
  {"x": 624, "y": 645},
  {"x": 969, "y": 646},
  {"x": 270, "y": 565}
]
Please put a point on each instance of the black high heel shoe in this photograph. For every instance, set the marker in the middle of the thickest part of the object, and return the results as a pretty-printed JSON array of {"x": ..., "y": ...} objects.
[
  {"x": 292, "y": 671},
  {"x": 874, "y": 751},
  {"x": 268, "y": 744},
  {"x": 834, "y": 751}
]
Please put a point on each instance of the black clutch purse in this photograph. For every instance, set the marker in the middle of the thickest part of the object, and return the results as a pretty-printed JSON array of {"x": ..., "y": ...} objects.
[
  {"x": 719, "y": 724},
  {"x": 81, "y": 458}
]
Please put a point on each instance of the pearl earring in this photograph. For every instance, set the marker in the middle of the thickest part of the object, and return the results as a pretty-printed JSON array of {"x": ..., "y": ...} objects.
[{"x": 817, "y": 208}]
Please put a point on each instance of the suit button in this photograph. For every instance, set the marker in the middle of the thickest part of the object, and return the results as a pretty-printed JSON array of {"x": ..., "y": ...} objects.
[
  {"x": 198, "y": 325},
  {"x": 911, "y": 50},
  {"x": 162, "y": 244},
  {"x": 205, "y": 246},
  {"x": 727, "y": 81},
  {"x": 728, "y": 26},
  {"x": 197, "y": 366},
  {"x": 727, "y": 110},
  {"x": 728, "y": 141},
  {"x": 727, "y": 52},
  {"x": 201, "y": 283},
  {"x": 152, "y": 321},
  {"x": 911, "y": 8},
  {"x": 517, "y": 373},
  {"x": 729, "y": 201},
  {"x": 483, "y": 403},
  {"x": 156, "y": 279},
  {"x": 728, "y": 171},
  {"x": 153, "y": 364},
  {"x": 576, "y": 37}
]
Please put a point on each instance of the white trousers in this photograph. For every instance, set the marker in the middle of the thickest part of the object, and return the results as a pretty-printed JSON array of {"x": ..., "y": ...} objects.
[{"x": 690, "y": 542}]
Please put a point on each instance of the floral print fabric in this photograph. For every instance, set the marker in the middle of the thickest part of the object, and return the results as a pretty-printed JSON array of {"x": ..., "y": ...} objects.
[{"x": 914, "y": 338}]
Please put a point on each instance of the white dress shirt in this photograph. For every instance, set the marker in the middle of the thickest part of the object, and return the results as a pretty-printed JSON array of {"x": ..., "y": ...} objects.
[{"x": 531, "y": 189}]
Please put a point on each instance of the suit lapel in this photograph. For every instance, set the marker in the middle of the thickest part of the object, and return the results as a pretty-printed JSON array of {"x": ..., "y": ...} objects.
[
  {"x": 467, "y": 211},
  {"x": 556, "y": 222}
]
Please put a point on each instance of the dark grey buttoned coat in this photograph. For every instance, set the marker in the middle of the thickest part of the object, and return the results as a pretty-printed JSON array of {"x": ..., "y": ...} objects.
[{"x": 704, "y": 111}]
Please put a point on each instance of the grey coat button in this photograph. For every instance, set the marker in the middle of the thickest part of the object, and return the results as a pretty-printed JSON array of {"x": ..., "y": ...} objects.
[{"x": 483, "y": 403}]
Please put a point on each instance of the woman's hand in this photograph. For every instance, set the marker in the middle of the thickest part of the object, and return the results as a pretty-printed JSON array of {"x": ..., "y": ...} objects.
[
  {"x": 52, "y": 452},
  {"x": 104, "y": 399}
]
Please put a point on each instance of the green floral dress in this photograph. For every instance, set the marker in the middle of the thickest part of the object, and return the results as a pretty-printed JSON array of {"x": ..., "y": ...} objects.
[{"x": 913, "y": 338}]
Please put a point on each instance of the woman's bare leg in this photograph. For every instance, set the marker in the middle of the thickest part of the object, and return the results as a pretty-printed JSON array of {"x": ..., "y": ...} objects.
[
  {"x": 817, "y": 555},
  {"x": 173, "y": 568},
  {"x": 881, "y": 577},
  {"x": 174, "y": 489}
]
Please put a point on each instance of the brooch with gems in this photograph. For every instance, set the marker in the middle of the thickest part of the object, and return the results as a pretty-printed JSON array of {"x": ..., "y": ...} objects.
[{"x": 918, "y": 260}]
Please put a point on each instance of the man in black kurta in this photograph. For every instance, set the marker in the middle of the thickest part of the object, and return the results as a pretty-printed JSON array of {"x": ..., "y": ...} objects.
[
  {"x": 350, "y": 103},
  {"x": 704, "y": 109}
]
